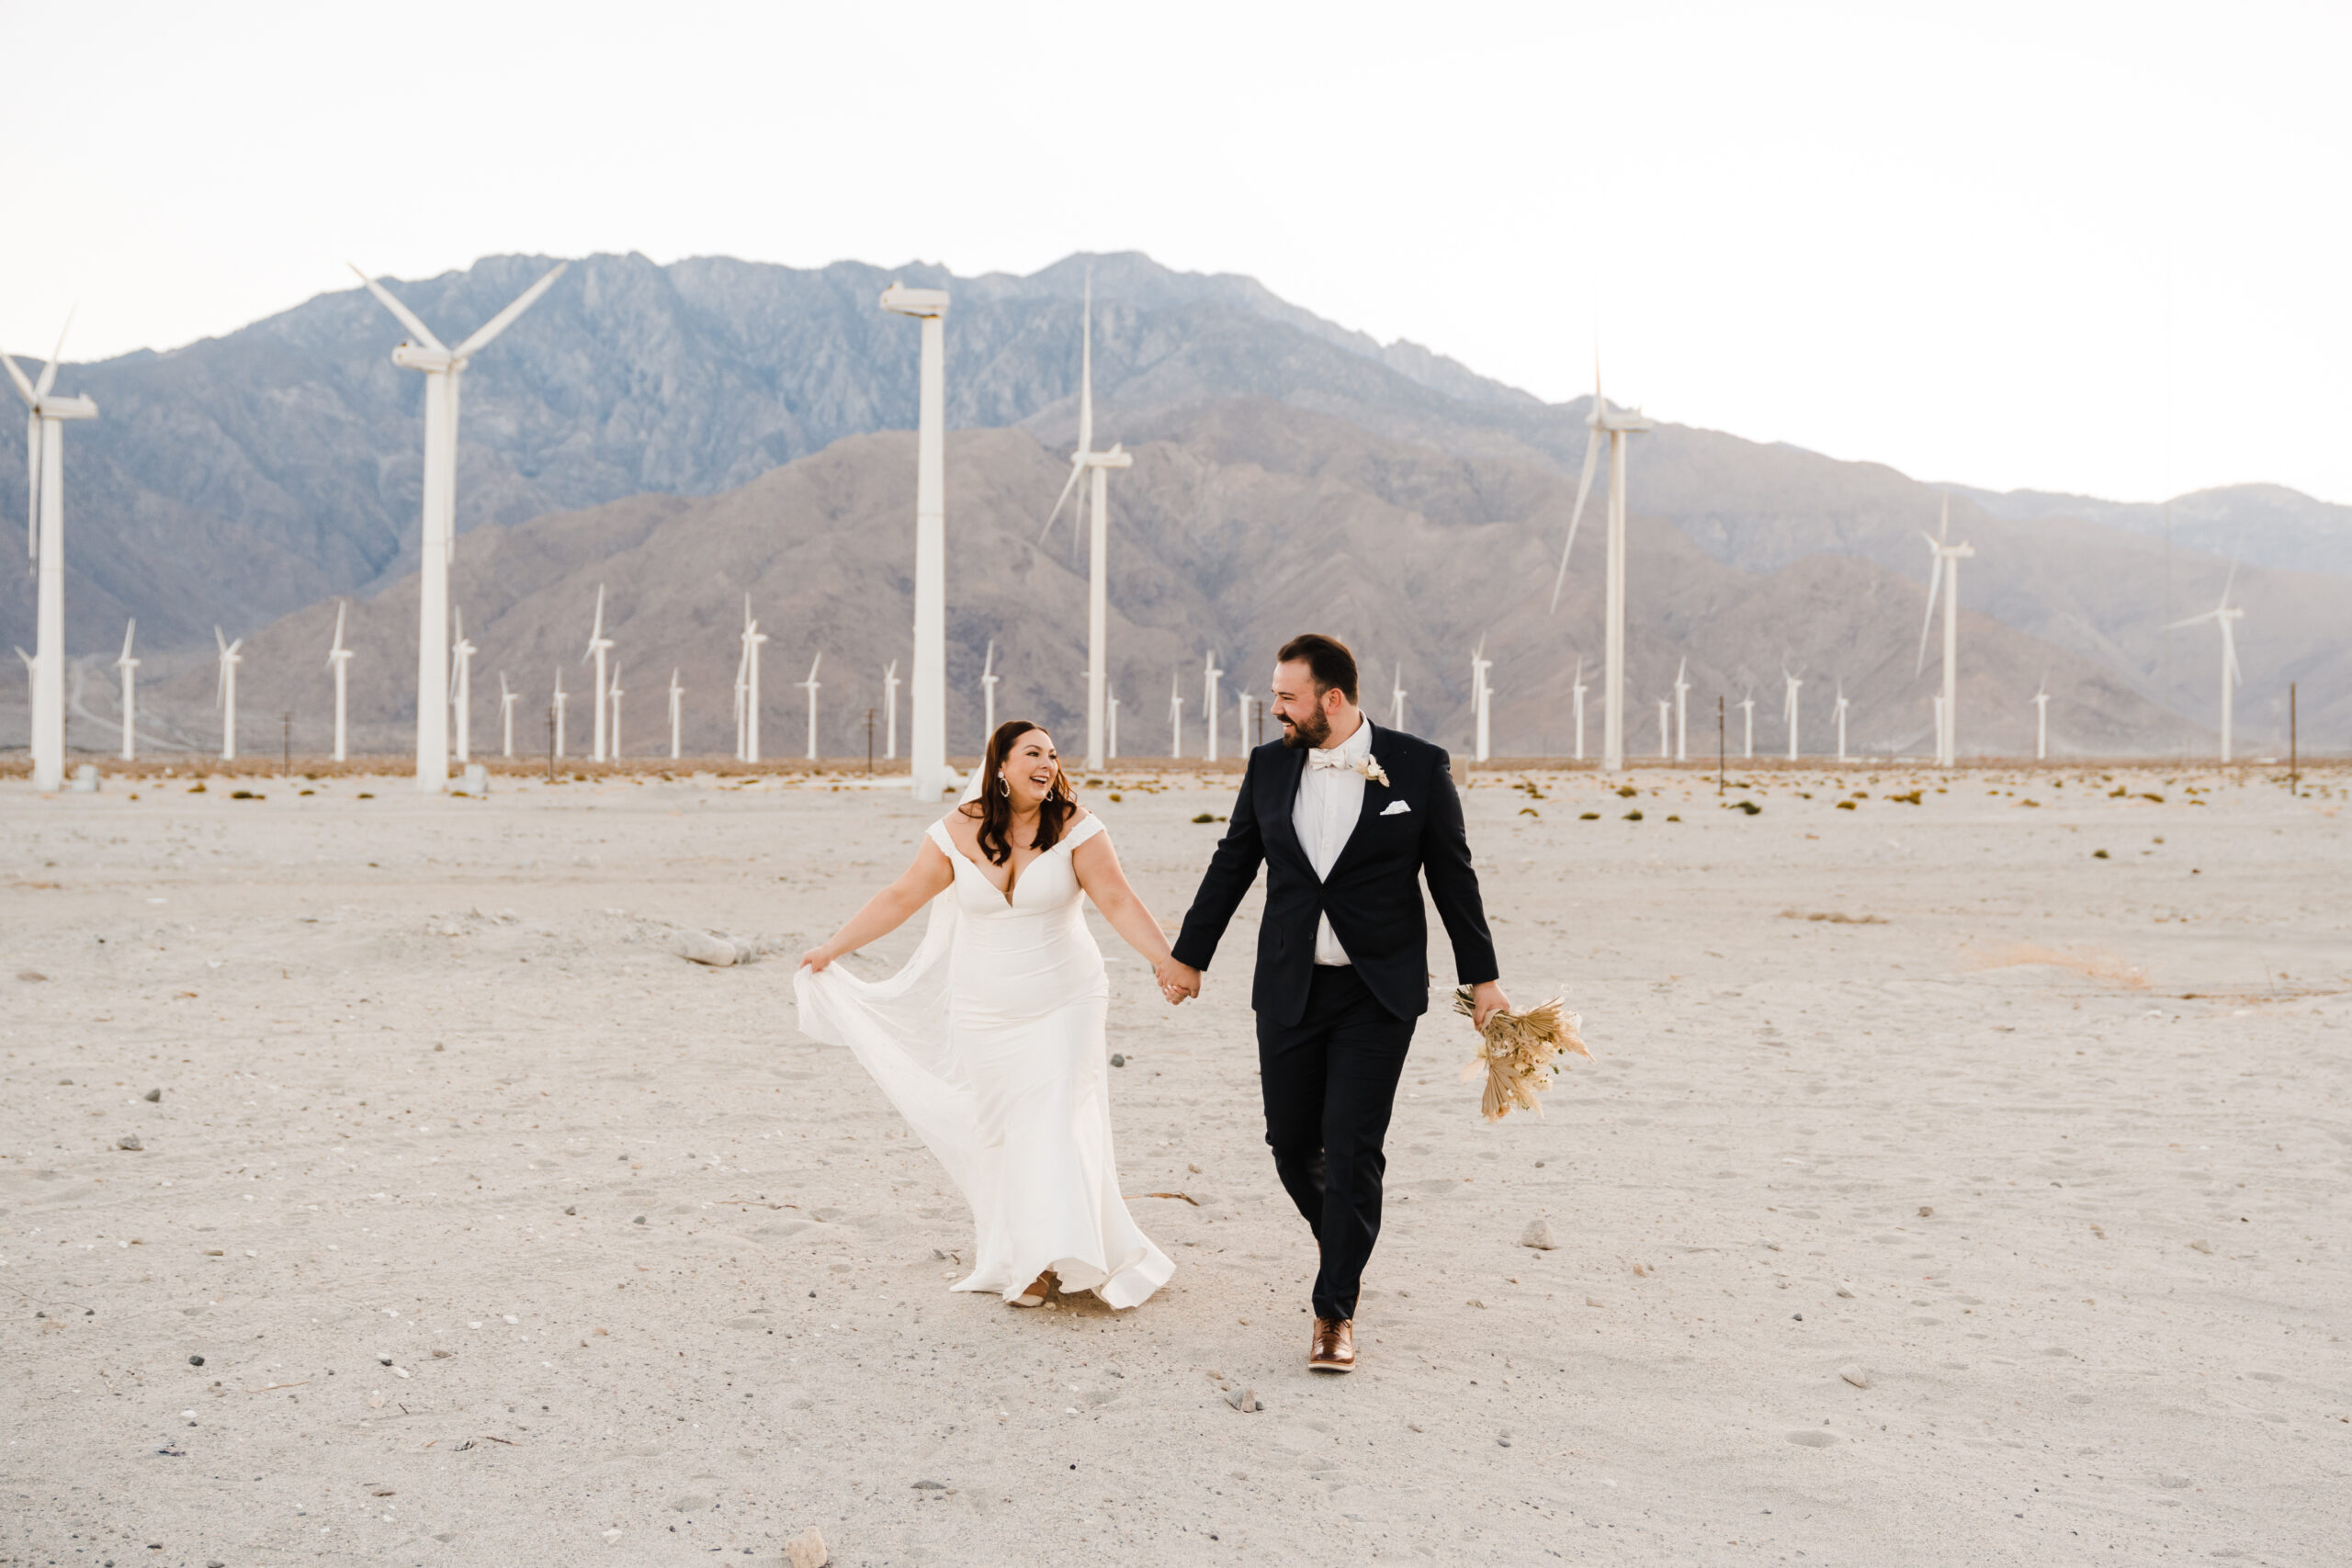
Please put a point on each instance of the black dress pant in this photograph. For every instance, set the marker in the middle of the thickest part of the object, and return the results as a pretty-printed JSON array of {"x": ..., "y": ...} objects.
[{"x": 1330, "y": 1082}]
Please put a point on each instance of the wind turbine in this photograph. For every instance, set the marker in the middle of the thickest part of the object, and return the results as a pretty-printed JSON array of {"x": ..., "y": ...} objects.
[
  {"x": 677, "y": 710},
  {"x": 1210, "y": 675},
  {"x": 747, "y": 693},
  {"x": 1176, "y": 717},
  {"x": 1944, "y": 575},
  {"x": 2225, "y": 617},
  {"x": 1938, "y": 700},
  {"x": 507, "y": 696},
  {"x": 890, "y": 708},
  {"x": 2042, "y": 722},
  {"x": 1616, "y": 426},
  {"x": 1480, "y": 693},
  {"x": 129, "y": 694},
  {"x": 1086, "y": 460},
  {"x": 1841, "y": 720},
  {"x": 559, "y": 710},
  {"x": 1747, "y": 725},
  {"x": 927, "y": 746},
  {"x": 444, "y": 370},
  {"x": 1665, "y": 729},
  {"x": 1242, "y": 733},
  {"x": 598, "y": 644},
  {"x": 810, "y": 686},
  {"x": 338, "y": 662},
  {"x": 461, "y": 688},
  {"x": 989, "y": 677},
  {"x": 1681, "y": 713},
  {"x": 1397, "y": 698},
  {"x": 1113, "y": 714},
  {"x": 1788, "y": 709},
  {"x": 613, "y": 696},
  {"x": 1581, "y": 689},
  {"x": 225, "y": 692},
  {"x": 45, "y": 544}
]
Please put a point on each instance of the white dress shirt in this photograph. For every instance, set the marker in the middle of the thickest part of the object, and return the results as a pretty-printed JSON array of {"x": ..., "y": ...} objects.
[{"x": 1330, "y": 797}]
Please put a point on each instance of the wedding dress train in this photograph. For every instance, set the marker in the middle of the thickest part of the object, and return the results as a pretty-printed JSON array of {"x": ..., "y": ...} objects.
[{"x": 990, "y": 1042}]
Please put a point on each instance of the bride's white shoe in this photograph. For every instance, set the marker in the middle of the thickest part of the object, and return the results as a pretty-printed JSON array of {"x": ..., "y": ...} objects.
[{"x": 1039, "y": 1288}]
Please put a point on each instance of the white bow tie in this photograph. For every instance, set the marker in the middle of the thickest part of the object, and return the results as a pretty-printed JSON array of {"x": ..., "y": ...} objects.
[{"x": 1326, "y": 757}]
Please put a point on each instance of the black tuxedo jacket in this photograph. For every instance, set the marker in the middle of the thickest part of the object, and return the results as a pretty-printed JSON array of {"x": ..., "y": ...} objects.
[{"x": 1373, "y": 894}]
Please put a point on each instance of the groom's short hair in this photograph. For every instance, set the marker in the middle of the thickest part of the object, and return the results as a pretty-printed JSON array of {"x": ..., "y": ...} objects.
[{"x": 1327, "y": 657}]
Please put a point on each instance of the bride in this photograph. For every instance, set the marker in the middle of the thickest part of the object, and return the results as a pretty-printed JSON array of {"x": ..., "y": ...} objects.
[{"x": 990, "y": 1042}]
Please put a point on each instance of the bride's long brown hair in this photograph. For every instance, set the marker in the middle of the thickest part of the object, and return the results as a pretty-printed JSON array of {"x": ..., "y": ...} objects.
[{"x": 994, "y": 808}]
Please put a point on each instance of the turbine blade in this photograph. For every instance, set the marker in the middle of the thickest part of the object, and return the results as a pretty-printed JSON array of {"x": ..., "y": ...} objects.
[
  {"x": 24, "y": 388},
  {"x": 400, "y": 313},
  {"x": 32, "y": 484},
  {"x": 1076, "y": 468},
  {"x": 1584, "y": 489},
  {"x": 1935, "y": 586},
  {"x": 505, "y": 318},
  {"x": 128, "y": 632},
  {"x": 48, "y": 371},
  {"x": 2208, "y": 615}
]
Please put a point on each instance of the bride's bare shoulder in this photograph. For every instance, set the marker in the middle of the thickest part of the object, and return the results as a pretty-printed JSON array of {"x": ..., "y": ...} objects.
[{"x": 963, "y": 824}]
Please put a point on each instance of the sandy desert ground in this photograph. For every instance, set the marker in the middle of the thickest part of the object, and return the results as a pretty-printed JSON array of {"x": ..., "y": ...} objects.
[{"x": 506, "y": 1236}]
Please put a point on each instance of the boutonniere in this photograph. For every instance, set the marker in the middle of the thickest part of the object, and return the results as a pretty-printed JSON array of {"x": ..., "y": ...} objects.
[{"x": 1369, "y": 769}]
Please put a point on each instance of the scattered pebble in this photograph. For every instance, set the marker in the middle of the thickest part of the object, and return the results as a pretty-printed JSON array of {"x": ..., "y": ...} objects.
[
  {"x": 1927, "y": 1212},
  {"x": 1538, "y": 1235},
  {"x": 2204, "y": 1247},
  {"x": 1117, "y": 1060},
  {"x": 805, "y": 1549},
  {"x": 1811, "y": 1437},
  {"x": 1594, "y": 1301},
  {"x": 130, "y": 1140},
  {"x": 1797, "y": 1317},
  {"x": 1845, "y": 1289},
  {"x": 1243, "y": 1399},
  {"x": 154, "y": 1096},
  {"x": 639, "y": 1221},
  {"x": 2171, "y": 1483},
  {"x": 196, "y": 1360},
  {"x": 930, "y": 1486},
  {"x": 1856, "y": 1376},
  {"x": 702, "y": 947},
  {"x": 30, "y": 975}
]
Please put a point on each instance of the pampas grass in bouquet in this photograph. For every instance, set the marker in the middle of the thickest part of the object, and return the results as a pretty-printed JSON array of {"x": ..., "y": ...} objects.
[{"x": 1521, "y": 1052}]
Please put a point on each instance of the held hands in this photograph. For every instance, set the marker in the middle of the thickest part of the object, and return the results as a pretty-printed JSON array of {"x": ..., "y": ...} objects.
[
  {"x": 1177, "y": 980},
  {"x": 1488, "y": 997}
]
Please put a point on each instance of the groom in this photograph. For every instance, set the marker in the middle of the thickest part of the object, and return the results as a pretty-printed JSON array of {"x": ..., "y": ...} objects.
[{"x": 1347, "y": 819}]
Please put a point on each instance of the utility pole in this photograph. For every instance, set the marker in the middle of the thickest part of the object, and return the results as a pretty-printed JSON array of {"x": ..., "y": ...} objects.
[
  {"x": 550, "y": 743},
  {"x": 869, "y": 742},
  {"x": 286, "y": 735}
]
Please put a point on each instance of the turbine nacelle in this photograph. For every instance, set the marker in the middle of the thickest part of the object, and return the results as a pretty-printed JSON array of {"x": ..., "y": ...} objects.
[{"x": 908, "y": 301}]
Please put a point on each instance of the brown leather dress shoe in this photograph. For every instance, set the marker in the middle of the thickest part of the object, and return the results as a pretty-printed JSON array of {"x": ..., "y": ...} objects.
[{"x": 1334, "y": 1350}]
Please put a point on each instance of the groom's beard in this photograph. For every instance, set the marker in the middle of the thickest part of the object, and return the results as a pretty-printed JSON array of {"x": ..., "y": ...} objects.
[{"x": 1304, "y": 734}]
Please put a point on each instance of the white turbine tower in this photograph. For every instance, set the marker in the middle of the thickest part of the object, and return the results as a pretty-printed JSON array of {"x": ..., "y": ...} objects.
[
  {"x": 1788, "y": 709},
  {"x": 890, "y": 710},
  {"x": 129, "y": 665},
  {"x": 1242, "y": 732},
  {"x": 613, "y": 696},
  {"x": 507, "y": 697},
  {"x": 32, "y": 679},
  {"x": 2042, "y": 722},
  {"x": 1113, "y": 714},
  {"x": 677, "y": 713},
  {"x": 461, "y": 688},
  {"x": 45, "y": 544},
  {"x": 1665, "y": 729},
  {"x": 2225, "y": 617},
  {"x": 1176, "y": 717},
  {"x": 1580, "y": 688},
  {"x": 598, "y": 645},
  {"x": 1480, "y": 693},
  {"x": 444, "y": 370},
  {"x": 1938, "y": 701},
  {"x": 1840, "y": 711},
  {"x": 747, "y": 691},
  {"x": 989, "y": 677},
  {"x": 1944, "y": 577},
  {"x": 225, "y": 692},
  {"x": 1747, "y": 725},
  {"x": 927, "y": 745},
  {"x": 1210, "y": 675},
  {"x": 1397, "y": 698},
  {"x": 810, "y": 686},
  {"x": 559, "y": 700},
  {"x": 338, "y": 663},
  {"x": 1616, "y": 426},
  {"x": 1681, "y": 713},
  {"x": 1086, "y": 460}
]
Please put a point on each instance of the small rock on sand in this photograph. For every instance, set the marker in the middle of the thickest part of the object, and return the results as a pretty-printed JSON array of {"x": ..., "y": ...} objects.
[
  {"x": 1927, "y": 1212},
  {"x": 1856, "y": 1376},
  {"x": 1812, "y": 1439},
  {"x": 130, "y": 1141},
  {"x": 154, "y": 1096},
  {"x": 1538, "y": 1235},
  {"x": 805, "y": 1549},
  {"x": 2204, "y": 1247},
  {"x": 30, "y": 975},
  {"x": 702, "y": 947},
  {"x": 1845, "y": 1289},
  {"x": 1243, "y": 1399}
]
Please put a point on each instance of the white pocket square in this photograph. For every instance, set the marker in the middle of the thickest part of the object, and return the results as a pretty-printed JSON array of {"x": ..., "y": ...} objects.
[{"x": 1395, "y": 807}]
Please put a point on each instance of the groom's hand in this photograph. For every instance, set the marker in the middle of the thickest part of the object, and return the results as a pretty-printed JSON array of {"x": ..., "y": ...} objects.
[
  {"x": 1488, "y": 997},
  {"x": 1177, "y": 980}
]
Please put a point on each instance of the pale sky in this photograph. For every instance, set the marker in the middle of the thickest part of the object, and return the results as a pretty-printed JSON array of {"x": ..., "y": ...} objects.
[{"x": 2091, "y": 247}]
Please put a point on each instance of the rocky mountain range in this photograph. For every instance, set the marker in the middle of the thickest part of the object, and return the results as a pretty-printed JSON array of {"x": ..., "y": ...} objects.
[{"x": 716, "y": 427}]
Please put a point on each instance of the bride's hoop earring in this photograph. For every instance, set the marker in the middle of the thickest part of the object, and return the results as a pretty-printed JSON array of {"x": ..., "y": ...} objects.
[{"x": 1003, "y": 784}]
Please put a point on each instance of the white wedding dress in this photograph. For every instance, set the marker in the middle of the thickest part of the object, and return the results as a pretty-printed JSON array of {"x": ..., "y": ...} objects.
[{"x": 990, "y": 1042}]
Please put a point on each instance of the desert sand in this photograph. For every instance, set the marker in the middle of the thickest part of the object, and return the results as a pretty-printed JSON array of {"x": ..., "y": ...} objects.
[{"x": 1942, "y": 1193}]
